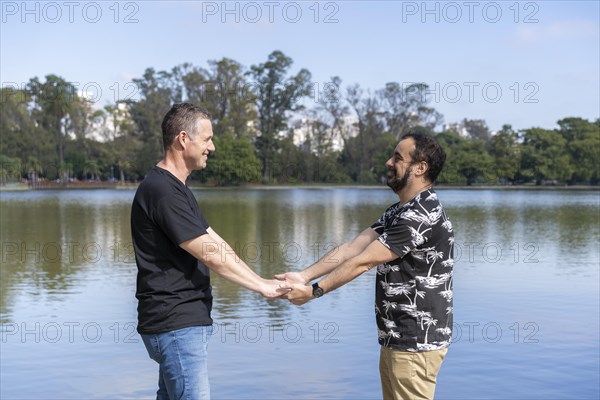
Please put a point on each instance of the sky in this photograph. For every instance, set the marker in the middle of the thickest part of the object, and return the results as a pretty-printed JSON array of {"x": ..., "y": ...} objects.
[{"x": 523, "y": 63}]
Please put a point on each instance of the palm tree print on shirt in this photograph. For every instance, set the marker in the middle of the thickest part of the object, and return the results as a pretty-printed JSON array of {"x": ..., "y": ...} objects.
[{"x": 414, "y": 292}]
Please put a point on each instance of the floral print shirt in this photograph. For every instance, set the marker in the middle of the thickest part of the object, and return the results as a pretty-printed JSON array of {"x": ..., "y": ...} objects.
[{"x": 413, "y": 297}]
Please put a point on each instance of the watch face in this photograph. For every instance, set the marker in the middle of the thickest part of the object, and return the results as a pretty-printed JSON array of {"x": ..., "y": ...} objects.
[{"x": 317, "y": 291}]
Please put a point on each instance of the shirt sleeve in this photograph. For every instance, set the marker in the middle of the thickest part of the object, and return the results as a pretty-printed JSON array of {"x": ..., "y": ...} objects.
[
  {"x": 178, "y": 218},
  {"x": 403, "y": 236},
  {"x": 378, "y": 226}
]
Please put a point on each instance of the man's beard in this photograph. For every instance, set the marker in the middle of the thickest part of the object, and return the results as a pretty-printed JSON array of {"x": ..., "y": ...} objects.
[{"x": 397, "y": 184}]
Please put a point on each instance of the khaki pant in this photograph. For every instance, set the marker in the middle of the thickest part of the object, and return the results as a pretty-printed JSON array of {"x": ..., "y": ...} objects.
[{"x": 409, "y": 376}]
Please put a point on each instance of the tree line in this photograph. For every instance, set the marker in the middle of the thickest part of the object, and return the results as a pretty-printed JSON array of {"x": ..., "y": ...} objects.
[{"x": 272, "y": 125}]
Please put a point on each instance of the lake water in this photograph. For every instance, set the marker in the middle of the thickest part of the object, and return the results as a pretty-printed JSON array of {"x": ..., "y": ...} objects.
[{"x": 526, "y": 289}]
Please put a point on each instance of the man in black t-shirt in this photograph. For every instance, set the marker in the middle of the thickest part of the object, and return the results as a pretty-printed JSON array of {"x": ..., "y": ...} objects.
[
  {"x": 174, "y": 249},
  {"x": 412, "y": 247}
]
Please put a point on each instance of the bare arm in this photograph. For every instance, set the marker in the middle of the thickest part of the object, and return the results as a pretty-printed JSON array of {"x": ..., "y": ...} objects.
[
  {"x": 216, "y": 253},
  {"x": 332, "y": 259},
  {"x": 375, "y": 253}
]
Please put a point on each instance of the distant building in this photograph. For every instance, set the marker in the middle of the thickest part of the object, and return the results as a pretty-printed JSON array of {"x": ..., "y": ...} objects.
[
  {"x": 307, "y": 129},
  {"x": 458, "y": 128},
  {"x": 107, "y": 126}
]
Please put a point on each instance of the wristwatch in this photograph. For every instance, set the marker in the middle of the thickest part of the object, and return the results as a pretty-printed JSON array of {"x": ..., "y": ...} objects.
[{"x": 317, "y": 291}]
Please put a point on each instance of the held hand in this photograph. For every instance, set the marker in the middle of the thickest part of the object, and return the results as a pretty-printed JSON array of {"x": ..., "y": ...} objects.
[
  {"x": 299, "y": 294},
  {"x": 271, "y": 289},
  {"x": 292, "y": 277}
]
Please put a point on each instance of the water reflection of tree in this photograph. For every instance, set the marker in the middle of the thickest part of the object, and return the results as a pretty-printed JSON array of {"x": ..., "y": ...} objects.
[
  {"x": 574, "y": 229},
  {"x": 566, "y": 221},
  {"x": 528, "y": 226},
  {"x": 53, "y": 241},
  {"x": 290, "y": 228}
]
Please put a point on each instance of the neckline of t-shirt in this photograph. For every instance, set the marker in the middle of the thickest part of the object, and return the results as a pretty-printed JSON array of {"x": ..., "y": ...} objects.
[{"x": 169, "y": 173}]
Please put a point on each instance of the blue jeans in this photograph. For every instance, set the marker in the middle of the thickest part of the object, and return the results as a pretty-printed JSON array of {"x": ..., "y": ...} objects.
[{"x": 182, "y": 359}]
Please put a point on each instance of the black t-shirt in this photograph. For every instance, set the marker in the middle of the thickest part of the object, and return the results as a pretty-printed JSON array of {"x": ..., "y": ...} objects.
[{"x": 173, "y": 287}]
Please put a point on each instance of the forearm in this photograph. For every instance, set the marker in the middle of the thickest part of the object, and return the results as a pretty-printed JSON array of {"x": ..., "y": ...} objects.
[
  {"x": 220, "y": 258},
  {"x": 229, "y": 252},
  {"x": 376, "y": 253},
  {"x": 346, "y": 272},
  {"x": 339, "y": 255},
  {"x": 327, "y": 263},
  {"x": 236, "y": 272}
]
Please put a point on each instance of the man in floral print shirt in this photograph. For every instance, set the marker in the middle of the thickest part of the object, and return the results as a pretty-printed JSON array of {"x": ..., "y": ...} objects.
[
  {"x": 412, "y": 246},
  {"x": 414, "y": 291}
]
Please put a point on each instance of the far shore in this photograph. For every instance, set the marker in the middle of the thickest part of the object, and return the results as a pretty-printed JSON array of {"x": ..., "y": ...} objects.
[{"x": 20, "y": 187}]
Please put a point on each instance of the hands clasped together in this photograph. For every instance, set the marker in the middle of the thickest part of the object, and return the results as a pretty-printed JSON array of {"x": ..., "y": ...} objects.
[{"x": 290, "y": 285}]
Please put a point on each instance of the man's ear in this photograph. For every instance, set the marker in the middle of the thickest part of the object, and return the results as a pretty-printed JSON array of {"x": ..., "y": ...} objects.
[
  {"x": 181, "y": 140},
  {"x": 421, "y": 168}
]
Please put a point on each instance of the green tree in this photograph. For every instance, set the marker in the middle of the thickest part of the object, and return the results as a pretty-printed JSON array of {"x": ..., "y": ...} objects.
[
  {"x": 329, "y": 127},
  {"x": 506, "y": 153},
  {"x": 406, "y": 107},
  {"x": 10, "y": 169},
  {"x": 224, "y": 91},
  {"x": 54, "y": 103},
  {"x": 121, "y": 142},
  {"x": 474, "y": 163},
  {"x": 358, "y": 156},
  {"x": 386, "y": 144},
  {"x": 17, "y": 127},
  {"x": 318, "y": 134},
  {"x": 85, "y": 122},
  {"x": 477, "y": 129},
  {"x": 453, "y": 145},
  {"x": 156, "y": 97},
  {"x": 293, "y": 164},
  {"x": 233, "y": 162},
  {"x": 583, "y": 144},
  {"x": 276, "y": 95},
  {"x": 333, "y": 110},
  {"x": 545, "y": 156}
]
